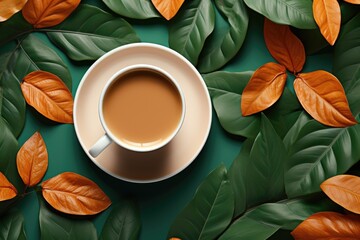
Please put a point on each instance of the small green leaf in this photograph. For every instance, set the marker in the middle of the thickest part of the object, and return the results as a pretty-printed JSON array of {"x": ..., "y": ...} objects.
[
  {"x": 293, "y": 133},
  {"x": 223, "y": 46},
  {"x": 123, "y": 222},
  {"x": 225, "y": 89},
  {"x": 347, "y": 54},
  {"x": 137, "y": 9},
  {"x": 14, "y": 28},
  {"x": 289, "y": 12},
  {"x": 190, "y": 28},
  {"x": 58, "y": 227},
  {"x": 90, "y": 32},
  {"x": 210, "y": 211},
  {"x": 12, "y": 226},
  {"x": 319, "y": 153}
]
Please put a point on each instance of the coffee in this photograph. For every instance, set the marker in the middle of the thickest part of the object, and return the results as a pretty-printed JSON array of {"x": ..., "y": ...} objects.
[{"x": 142, "y": 108}]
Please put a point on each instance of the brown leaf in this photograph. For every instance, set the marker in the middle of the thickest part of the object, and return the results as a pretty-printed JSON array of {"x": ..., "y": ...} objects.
[
  {"x": 264, "y": 88},
  {"x": 32, "y": 160},
  {"x": 9, "y": 8},
  {"x": 353, "y": 1},
  {"x": 74, "y": 194},
  {"x": 328, "y": 226},
  {"x": 344, "y": 190},
  {"x": 284, "y": 46},
  {"x": 327, "y": 15},
  {"x": 48, "y": 95},
  {"x": 323, "y": 97},
  {"x": 167, "y": 8},
  {"x": 7, "y": 190},
  {"x": 48, "y": 13}
]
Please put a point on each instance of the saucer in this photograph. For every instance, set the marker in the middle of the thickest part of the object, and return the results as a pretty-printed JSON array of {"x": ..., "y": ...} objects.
[{"x": 152, "y": 166}]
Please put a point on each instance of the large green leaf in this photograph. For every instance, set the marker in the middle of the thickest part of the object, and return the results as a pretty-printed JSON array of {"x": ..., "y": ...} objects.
[
  {"x": 32, "y": 55},
  {"x": 210, "y": 211},
  {"x": 263, "y": 221},
  {"x": 12, "y": 226},
  {"x": 138, "y": 9},
  {"x": 293, "y": 133},
  {"x": 12, "y": 103},
  {"x": 347, "y": 62},
  {"x": 318, "y": 154},
  {"x": 348, "y": 11},
  {"x": 224, "y": 45},
  {"x": 123, "y": 222},
  {"x": 190, "y": 28},
  {"x": 290, "y": 12},
  {"x": 14, "y": 27},
  {"x": 91, "y": 32},
  {"x": 225, "y": 89},
  {"x": 57, "y": 227}
]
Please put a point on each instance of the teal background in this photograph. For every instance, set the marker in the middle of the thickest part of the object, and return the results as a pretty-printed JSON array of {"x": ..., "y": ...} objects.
[{"x": 159, "y": 202}]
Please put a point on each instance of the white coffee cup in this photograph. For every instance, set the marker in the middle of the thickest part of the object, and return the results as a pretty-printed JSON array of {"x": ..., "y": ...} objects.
[{"x": 132, "y": 145}]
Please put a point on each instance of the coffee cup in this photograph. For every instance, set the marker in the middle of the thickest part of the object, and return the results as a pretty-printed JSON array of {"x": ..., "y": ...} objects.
[{"x": 141, "y": 109}]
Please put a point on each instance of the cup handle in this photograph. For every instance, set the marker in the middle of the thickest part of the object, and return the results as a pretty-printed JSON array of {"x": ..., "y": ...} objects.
[{"x": 100, "y": 146}]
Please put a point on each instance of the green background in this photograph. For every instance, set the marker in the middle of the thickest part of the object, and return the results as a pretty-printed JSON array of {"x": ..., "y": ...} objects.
[{"x": 159, "y": 202}]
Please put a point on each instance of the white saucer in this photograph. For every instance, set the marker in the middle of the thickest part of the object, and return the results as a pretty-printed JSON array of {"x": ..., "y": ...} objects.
[{"x": 167, "y": 161}]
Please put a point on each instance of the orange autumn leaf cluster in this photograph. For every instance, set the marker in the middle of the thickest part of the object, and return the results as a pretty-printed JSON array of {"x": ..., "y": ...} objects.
[
  {"x": 345, "y": 191},
  {"x": 68, "y": 192},
  {"x": 168, "y": 8},
  {"x": 320, "y": 93}
]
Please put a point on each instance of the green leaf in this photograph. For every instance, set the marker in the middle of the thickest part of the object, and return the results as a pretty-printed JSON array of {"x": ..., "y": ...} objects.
[
  {"x": 91, "y": 32},
  {"x": 190, "y": 28},
  {"x": 293, "y": 133},
  {"x": 348, "y": 11},
  {"x": 318, "y": 154},
  {"x": 123, "y": 222},
  {"x": 32, "y": 55},
  {"x": 12, "y": 226},
  {"x": 210, "y": 211},
  {"x": 264, "y": 179},
  {"x": 14, "y": 28},
  {"x": 224, "y": 45},
  {"x": 225, "y": 89},
  {"x": 312, "y": 40},
  {"x": 353, "y": 94},
  {"x": 289, "y": 12},
  {"x": 347, "y": 54},
  {"x": 137, "y": 9},
  {"x": 12, "y": 103},
  {"x": 57, "y": 227}
]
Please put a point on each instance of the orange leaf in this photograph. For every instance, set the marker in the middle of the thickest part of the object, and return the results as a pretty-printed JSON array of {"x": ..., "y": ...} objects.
[
  {"x": 353, "y": 1},
  {"x": 327, "y": 15},
  {"x": 328, "y": 226},
  {"x": 323, "y": 97},
  {"x": 9, "y": 8},
  {"x": 174, "y": 238},
  {"x": 32, "y": 160},
  {"x": 344, "y": 190},
  {"x": 48, "y": 13},
  {"x": 168, "y": 8},
  {"x": 74, "y": 194},
  {"x": 48, "y": 95},
  {"x": 264, "y": 88},
  {"x": 284, "y": 46},
  {"x": 7, "y": 190}
]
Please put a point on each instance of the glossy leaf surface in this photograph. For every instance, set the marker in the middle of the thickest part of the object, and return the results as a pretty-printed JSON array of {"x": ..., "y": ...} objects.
[
  {"x": 49, "y": 96},
  {"x": 289, "y": 12},
  {"x": 137, "y": 9},
  {"x": 7, "y": 190},
  {"x": 284, "y": 46},
  {"x": 223, "y": 45},
  {"x": 209, "y": 212},
  {"x": 189, "y": 30},
  {"x": 328, "y": 17},
  {"x": 74, "y": 194},
  {"x": 9, "y": 7},
  {"x": 323, "y": 97},
  {"x": 32, "y": 160},
  {"x": 264, "y": 88},
  {"x": 91, "y": 32},
  {"x": 344, "y": 190},
  {"x": 12, "y": 226},
  {"x": 48, "y": 13},
  {"x": 123, "y": 222}
]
